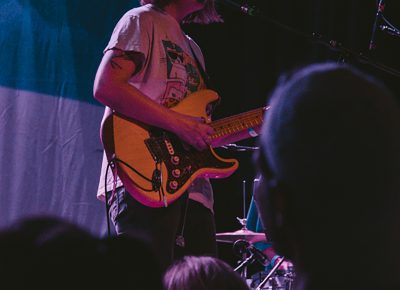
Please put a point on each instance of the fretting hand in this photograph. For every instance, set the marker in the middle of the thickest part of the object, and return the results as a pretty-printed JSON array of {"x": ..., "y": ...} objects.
[{"x": 193, "y": 131}]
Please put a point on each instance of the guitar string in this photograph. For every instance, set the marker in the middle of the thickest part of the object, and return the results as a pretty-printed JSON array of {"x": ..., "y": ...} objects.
[
  {"x": 249, "y": 113},
  {"x": 227, "y": 127},
  {"x": 243, "y": 122},
  {"x": 237, "y": 118}
]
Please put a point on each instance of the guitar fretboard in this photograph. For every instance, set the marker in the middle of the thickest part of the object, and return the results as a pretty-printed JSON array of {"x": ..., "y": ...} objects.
[{"x": 238, "y": 123}]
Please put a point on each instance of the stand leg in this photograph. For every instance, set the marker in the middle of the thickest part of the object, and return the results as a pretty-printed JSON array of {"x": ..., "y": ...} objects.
[{"x": 273, "y": 270}]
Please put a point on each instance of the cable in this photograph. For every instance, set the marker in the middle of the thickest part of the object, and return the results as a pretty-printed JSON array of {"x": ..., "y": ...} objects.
[
  {"x": 156, "y": 185},
  {"x": 110, "y": 164}
]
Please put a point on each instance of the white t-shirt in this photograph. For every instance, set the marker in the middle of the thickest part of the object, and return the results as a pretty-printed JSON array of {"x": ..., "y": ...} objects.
[{"x": 169, "y": 72}]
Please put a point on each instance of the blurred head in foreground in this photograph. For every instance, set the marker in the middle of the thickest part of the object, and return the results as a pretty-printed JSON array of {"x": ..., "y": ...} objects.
[
  {"x": 202, "y": 273},
  {"x": 330, "y": 164}
]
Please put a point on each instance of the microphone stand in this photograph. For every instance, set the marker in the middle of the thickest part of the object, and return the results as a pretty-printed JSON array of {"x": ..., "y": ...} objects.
[
  {"x": 253, "y": 257},
  {"x": 347, "y": 53},
  {"x": 243, "y": 265},
  {"x": 314, "y": 37},
  {"x": 273, "y": 270},
  {"x": 249, "y": 255},
  {"x": 239, "y": 148}
]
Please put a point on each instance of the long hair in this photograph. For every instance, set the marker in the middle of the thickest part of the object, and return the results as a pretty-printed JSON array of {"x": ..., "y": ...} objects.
[{"x": 206, "y": 15}]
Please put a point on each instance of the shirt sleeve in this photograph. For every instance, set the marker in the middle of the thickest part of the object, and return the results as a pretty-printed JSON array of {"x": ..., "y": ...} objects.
[{"x": 132, "y": 33}]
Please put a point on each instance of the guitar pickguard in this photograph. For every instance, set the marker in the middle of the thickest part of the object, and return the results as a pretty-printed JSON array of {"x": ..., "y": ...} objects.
[{"x": 181, "y": 160}]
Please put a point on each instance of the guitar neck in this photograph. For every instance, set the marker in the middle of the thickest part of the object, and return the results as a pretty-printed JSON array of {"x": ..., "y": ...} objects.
[{"x": 238, "y": 123}]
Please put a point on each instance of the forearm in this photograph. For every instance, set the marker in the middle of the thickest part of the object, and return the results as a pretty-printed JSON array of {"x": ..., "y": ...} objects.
[
  {"x": 132, "y": 103},
  {"x": 112, "y": 88}
]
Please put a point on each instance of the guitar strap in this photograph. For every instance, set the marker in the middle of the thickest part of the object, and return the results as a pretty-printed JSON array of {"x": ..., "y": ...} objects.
[
  {"x": 207, "y": 80},
  {"x": 204, "y": 75}
]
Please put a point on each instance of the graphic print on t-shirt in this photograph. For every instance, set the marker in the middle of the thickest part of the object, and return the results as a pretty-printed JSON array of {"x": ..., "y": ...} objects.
[{"x": 183, "y": 77}]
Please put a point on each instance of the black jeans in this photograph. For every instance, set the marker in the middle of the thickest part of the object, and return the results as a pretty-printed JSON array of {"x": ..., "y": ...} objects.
[{"x": 160, "y": 226}]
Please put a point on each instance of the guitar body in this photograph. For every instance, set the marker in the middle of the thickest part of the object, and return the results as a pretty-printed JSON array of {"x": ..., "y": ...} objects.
[{"x": 155, "y": 167}]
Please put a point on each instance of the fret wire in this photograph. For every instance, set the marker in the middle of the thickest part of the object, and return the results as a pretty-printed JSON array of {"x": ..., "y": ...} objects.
[
  {"x": 249, "y": 113},
  {"x": 238, "y": 118},
  {"x": 237, "y": 123},
  {"x": 230, "y": 130},
  {"x": 241, "y": 126},
  {"x": 244, "y": 123}
]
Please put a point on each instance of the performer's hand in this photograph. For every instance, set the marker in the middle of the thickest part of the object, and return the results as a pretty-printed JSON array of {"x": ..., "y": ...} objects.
[{"x": 193, "y": 131}]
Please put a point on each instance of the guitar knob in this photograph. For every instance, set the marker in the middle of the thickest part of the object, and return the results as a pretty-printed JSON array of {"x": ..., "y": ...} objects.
[
  {"x": 173, "y": 184},
  {"x": 176, "y": 173},
  {"x": 175, "y": 160}
]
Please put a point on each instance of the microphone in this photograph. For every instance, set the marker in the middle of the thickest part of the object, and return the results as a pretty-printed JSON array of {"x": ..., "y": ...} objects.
[
  {"x": 381, "y": 8},
  {"x": 244, "y": 247},
  {"x": 246, "y": 9}
]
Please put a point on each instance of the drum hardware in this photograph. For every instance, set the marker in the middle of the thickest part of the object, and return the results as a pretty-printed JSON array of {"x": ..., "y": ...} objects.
[
  {"x": 242, "y": 241},
  {"x": 249, "y": 255},
  {"x": 243, "y": 233},
  {"x": 274, "y": 279},
  {"x": 273, "y": 270}
]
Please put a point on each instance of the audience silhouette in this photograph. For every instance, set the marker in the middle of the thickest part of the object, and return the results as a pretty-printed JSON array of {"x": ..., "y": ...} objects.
[
  {"x": 329, "y": 196},
  {"x": 202, "y": 273},
  {"x": 47, "y": 252}
]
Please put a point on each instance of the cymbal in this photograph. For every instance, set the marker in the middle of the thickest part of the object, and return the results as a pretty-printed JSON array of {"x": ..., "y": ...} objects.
[{"x": 242, "y": 234}]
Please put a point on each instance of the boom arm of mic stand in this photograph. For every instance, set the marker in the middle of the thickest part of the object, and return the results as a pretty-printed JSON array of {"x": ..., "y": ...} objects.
[
  {"x": 273, "y": 270},
  {"x": 361, "y": 58},
  {"x": 316, "y": 37}
]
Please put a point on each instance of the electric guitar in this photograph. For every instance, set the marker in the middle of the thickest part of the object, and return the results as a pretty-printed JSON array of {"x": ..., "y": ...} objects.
[{"x": 155, "y": 166}]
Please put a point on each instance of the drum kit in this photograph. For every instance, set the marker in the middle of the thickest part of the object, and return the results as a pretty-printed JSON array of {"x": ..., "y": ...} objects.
[{"x": 243, "y": 242}]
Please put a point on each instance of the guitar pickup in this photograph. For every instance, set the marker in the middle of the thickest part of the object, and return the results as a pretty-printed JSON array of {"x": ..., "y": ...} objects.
[{"x": 154, "y": 148}]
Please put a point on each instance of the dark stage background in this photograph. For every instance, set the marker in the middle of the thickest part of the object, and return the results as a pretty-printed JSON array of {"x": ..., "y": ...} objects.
[
  {"x": 50, "y": 152},
  {"x": 246, "y": 55}
]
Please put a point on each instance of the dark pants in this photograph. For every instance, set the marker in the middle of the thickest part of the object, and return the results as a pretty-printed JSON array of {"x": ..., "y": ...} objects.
[{"x": 162, "y": 225}]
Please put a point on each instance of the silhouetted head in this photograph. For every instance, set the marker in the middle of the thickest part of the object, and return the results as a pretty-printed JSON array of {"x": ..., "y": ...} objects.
[
  {"x": 47, "y": 252},
  {"x": 330, "y": 164},
  {"x": 202, "y": 273},
  {"x": 132, "y": 263}
]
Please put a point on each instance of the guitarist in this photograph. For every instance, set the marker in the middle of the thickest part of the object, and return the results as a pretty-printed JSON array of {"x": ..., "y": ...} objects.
[{"x": 148, "y": 66}]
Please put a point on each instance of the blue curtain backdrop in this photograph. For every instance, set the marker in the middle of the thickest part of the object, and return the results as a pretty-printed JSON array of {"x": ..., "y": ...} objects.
[{"x": 50, "y": 151}]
